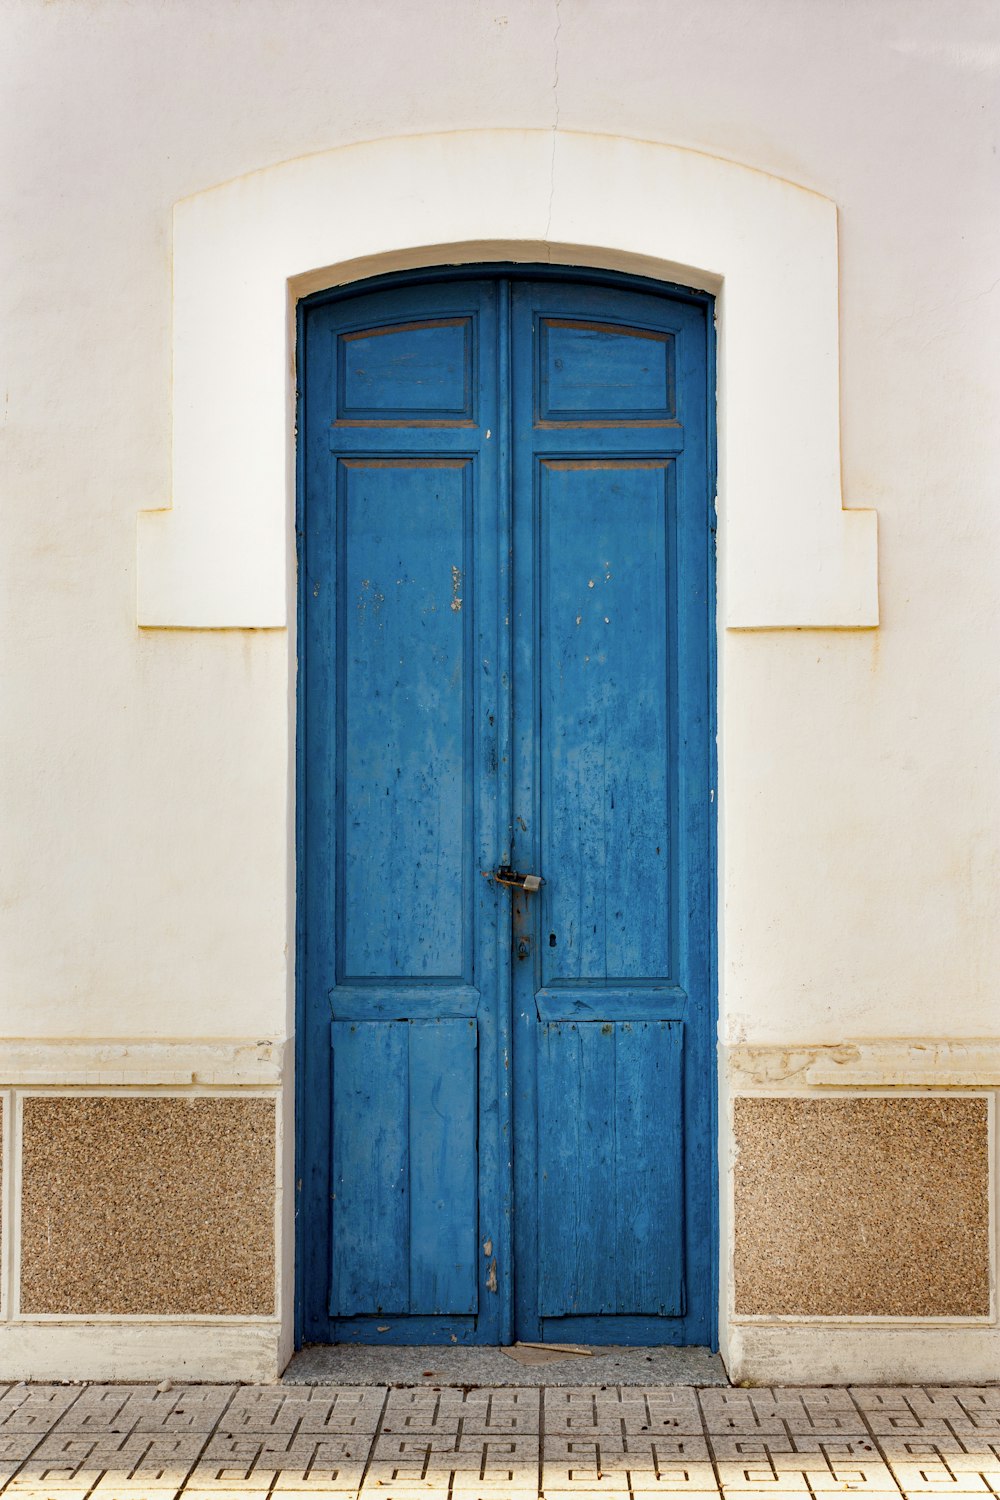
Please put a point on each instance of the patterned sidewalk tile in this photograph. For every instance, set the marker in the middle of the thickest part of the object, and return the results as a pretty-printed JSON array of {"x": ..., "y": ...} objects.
[
  {"x": 617, "y": 1410},
  {"x": 746, "y": 1413},
  {"x": 305, "y": 1462},
  {"x": 124, "y": 1408},
  {"x": 813, "y": 1412},
  {"x": 302, "y": 1409},
  {"x": 609, "y": 1493},
  {"x": 426, "y": 1410},
  {"x": 656, "y": 1463},
  {"x": 134, "y": 1442},
  {"x": 889, "y": 1410},
  {"x": 773, "y": 1412},
  {"x": 34, "y": 1408},
  {"x": 928, "y": 1465},
  {"x": 495, "y": 1464},
  {"x": 147, "y": 1453}
]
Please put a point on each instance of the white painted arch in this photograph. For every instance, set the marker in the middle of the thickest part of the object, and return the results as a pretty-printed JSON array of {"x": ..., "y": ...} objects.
[{"x": 791, "y": 556}]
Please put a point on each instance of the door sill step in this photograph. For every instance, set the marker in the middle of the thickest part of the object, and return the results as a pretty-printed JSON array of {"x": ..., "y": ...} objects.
[{"x": 446, "y": 1365}]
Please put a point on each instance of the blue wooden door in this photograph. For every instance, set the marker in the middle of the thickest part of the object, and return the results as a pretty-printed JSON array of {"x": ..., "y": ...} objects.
[{"x": 505, "y": 1099}]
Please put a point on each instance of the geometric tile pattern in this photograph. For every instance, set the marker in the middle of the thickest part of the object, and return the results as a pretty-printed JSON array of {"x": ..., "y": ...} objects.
[{"x": 217, "y": 1442}]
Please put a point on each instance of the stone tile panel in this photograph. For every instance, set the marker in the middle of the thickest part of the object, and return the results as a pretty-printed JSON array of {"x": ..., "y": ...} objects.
[
  {"x": 147, "y": 1206},
  {"x": 865, "y": 1206}
]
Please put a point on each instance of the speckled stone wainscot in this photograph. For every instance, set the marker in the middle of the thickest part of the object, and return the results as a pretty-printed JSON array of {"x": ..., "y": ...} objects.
[
  {"x": 148, "y": 1206},
  {"x": 862, "y": 1207}
]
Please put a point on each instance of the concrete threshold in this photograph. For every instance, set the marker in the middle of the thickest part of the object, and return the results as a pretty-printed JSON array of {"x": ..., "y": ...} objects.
[{"x": 519, "y": 1365}]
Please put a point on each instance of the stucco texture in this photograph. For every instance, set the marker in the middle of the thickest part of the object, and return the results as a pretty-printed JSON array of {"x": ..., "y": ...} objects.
[{"x": 147, "y": 1206}]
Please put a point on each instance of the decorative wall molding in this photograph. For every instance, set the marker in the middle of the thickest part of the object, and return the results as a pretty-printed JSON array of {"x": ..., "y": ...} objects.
[
  {"x": 790, "y": 555},
  {"x": 884, "y": 1063},
  {"x": 225, "y": 1062}
]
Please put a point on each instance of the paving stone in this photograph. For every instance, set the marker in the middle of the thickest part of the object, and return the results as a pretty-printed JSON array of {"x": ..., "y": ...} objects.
[
  {"x": 35, "y": 1408},
  {"x": 141, "y": 1408},
  {"x": 814, "y": 1411},
  {"x": 222, "y": 1479},
  {"x": 643, "y": 1461},
  {"x": 925, "y": 1465},
  {"x": 738, "y": 1412},
  {"x": 651, "y": 1462},
  {"x": 15, "y": 1447},
  {"x": 617, "y": 1410},
  {"x": 383, "y": 1490},
  {"x": 304, "y": 1409},
  {"x": 805, "y": 1462},
  {"x": 424, "y": 1410},
  {"x": 848, "y": 1444},
  {"x": 164, "y": 1457},
  {"x": 800, "y": 1463},
  {"x": 304, "y": 1461},
  {"x": 491, "y": 1463},
  {"x": 981, "y": 1404},
  {"x": 909, "y": 1409}
]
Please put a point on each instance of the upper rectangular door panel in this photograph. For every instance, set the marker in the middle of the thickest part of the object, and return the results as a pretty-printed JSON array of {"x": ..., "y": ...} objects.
[
  {"x": 405, "y": 796},
  {"x": 604, "y": 797},
  {"x": 604, "y": 372},
  {"x": 408, "y": 372}
]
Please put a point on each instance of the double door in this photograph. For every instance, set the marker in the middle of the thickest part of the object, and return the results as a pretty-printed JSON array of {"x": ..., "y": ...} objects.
[{"x": 505, "y": 1061}]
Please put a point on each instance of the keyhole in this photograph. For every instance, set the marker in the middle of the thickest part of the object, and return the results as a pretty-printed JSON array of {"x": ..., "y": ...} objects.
[{"x": 552, "y": 939}]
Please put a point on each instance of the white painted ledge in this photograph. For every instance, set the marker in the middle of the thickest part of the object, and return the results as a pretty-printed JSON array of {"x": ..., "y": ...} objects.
[
  {"x": 880, "y": 1063},
  {"x": 243, "y": 252},
  {"x": 225, "y": 1062}
]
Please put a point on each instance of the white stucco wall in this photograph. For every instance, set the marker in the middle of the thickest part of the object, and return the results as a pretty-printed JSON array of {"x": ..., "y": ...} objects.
[{"x": 145, "y": 782}]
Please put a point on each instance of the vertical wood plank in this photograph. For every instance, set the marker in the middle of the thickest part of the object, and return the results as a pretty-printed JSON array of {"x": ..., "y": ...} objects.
[
  {"x": 370, "y": 1188},
  {"x": 649, "y": 1149},
  {"x": 576, "y": 1091},
  {"x": 442, "y": 1111}
]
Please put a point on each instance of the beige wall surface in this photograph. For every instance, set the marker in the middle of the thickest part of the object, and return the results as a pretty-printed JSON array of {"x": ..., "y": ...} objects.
[
  {"x": 145, "y": 776},
  {"x": 146, "y": 888}
]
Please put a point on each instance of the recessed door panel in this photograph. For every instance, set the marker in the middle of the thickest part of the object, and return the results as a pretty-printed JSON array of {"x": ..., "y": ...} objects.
[
  {"x": 604, "y": 792},
  {"x": 405, "y": 718},
  {"x": 407, "y": 372},
  {"x": 610, "y": 1192},
  {"x": 404, "y": 1197}
]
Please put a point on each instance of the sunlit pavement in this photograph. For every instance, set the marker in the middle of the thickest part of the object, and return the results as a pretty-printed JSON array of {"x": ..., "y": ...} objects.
[{"x": 70, "y": 1442}]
